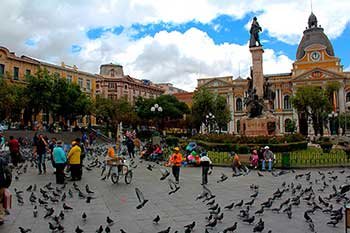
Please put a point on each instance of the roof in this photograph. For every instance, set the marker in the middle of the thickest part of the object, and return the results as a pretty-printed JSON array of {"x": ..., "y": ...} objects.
[{"x": 314, "y": 34}]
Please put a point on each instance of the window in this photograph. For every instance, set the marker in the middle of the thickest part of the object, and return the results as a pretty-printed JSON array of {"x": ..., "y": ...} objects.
[
  {"x": 2, "y": 69},
  {"x": 239, "y": 105},
  {"x": 126, "y": 87},
  {"x": 69, "y": 79},
  {"x": 28, "y": 73},
  {"x": 238, "y": 126},
  {"x": 15, "y": 73},
  {"x": 286, "y": 103},
  {"x": 112, "y": 73},
  {"x": 80, "y": 82},
  {"x": 287, "y": 125},
  {"x": 88, "y": 85},
  {"x": 347, "y": 94}
]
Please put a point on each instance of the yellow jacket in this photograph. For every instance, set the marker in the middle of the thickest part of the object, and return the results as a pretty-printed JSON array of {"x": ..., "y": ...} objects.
[{"x": 74, "y": 155}]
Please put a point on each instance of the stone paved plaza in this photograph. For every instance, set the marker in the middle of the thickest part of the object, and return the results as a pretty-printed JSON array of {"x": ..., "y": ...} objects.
[{"x": 118, "y": 201}]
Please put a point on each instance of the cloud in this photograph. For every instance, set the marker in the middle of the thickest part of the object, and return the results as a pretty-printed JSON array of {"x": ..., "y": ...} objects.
[{"x": 59, "y": 30}]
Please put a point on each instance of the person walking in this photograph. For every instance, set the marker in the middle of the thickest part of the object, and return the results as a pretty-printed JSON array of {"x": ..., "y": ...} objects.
[
  {"x": 60, "y": 160},
  {"x": 175, "y": 163},
  {"x": 40, "y": 153},
  {"x": 5, "y": 182},
  {"x": 131, "y": 147},
  {"x": 205, "y": 163},
  {"x": 52, "y": 145},
  {"x": 74, "y": 161},
  {"x": 14, "y": 151},
  {"x": 269, "y": 157}
]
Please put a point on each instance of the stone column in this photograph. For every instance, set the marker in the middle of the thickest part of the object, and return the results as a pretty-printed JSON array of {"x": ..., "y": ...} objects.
[
  {"x": 231, "y": 128},
  {"x": 258, "y": 74},
  {"x": 341, "y": 98}
]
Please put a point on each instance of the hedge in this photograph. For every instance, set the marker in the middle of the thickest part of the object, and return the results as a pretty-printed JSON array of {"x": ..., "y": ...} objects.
[{"x": 246, "y": 148}]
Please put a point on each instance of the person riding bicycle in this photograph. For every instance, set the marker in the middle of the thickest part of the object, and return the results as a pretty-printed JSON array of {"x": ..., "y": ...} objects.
[{"x": 112, "y": 160}]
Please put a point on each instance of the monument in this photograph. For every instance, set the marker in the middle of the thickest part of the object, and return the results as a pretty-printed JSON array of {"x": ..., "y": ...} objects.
[{"x": 259, "y": 120}]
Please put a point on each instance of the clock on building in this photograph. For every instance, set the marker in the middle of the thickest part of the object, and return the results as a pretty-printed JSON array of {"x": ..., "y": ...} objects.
[{"x": 315, "y": 56}]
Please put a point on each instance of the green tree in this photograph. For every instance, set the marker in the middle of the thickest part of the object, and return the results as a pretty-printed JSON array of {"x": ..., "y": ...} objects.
[
  {"x": 172, "y": 109},
  {"x": 205, "y": 102},
  {"x": 311, "y": 101}
]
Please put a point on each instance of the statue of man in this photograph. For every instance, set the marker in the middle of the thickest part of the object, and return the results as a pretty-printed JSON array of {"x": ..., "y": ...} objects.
[{"x": 254, "y": 33}]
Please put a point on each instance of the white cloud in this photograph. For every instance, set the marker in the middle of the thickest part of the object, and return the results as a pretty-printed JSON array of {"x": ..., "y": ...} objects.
[{"x": 176, "y": 57}]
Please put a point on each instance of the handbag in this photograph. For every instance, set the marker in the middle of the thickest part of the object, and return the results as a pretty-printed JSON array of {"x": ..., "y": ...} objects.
[{"x": 7, "y": 199}]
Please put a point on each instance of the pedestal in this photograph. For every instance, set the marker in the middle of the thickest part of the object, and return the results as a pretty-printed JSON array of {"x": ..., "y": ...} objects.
[
  {"x": 261, "y": 126},
  {"x": 258, "y": 74}
]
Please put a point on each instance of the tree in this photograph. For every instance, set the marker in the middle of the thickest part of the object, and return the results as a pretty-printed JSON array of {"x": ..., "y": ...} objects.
[
  {"x": 172, "y": 109},
  {"x": 205, "y": 102},
  {"x": 311, "y": 101}
]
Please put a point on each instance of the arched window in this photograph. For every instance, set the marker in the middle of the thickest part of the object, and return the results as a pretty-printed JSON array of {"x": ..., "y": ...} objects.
[
  {"x": 287, "y": 125},
  {"x": 286, "y": 102},
  {"x": 348, "y": 97},
  {"x": 239, "y": 105}
]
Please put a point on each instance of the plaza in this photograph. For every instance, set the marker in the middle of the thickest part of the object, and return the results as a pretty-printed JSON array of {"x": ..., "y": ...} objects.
[{"x": 119, "y": 201}]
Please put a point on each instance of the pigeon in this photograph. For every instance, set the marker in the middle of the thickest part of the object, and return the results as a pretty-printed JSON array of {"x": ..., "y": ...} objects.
[
  {"x": 259, "y": 227},
  {"x": 78, "y": 230},
  {"x": 87, "y": 189},
  {"x": 84, "y": 216},
  {"x": 109, "y": 221},
  {"x": 107, "y": 229},
  {"x": 165, "y": 173},
  {"x": 67, "y": 207},
  {"x": 260, "y": 211},
  {"x": 174, "y": 188},
  {"x": 190, "y": 226},
  {"x": 249, "y": 220},
  {"x": 230, "y": 206},
  {"x": 212, "y": 224},
  {"x": 122, "y": 231},
  {"x": 22, "y": 230},
  {"x": 333, "y": 222},
  {"x": 29, "y": 189},
  {"x": 156, "y": 219},
  {"x": 230, "y": 229},
  {"x": 35, "y": 212},
  {"x": 52, "y": 227},
  {"x": 100, "y": 229},
  {"x": 49, "y": 213},
  {"x": 141, "y": 199},
  {"x": 223, "y": 177},
  {"x": 239, "y": 204},
  {"x": 165, "y": 231},
  {"x": 260, "y": 174}
]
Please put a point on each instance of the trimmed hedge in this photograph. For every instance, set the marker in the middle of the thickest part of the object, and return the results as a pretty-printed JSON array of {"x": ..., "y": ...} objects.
[
  {"x": 233, "y": 139},
  {"x": 172, "y": 141},
  {"x": 246, "y": 148}
]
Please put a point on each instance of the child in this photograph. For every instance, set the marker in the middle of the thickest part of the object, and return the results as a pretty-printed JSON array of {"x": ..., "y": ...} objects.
[
  {"x": 205, "y": 163},
  {"x": 254, "y": 159}
]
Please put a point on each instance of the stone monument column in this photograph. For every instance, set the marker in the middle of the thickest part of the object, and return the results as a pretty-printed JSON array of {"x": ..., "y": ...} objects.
[{"x": 258, "y": 75}]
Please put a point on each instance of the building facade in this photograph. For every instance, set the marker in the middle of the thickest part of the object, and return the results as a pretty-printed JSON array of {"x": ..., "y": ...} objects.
[
  {"x": 315, "y": 64},
  {"x": 113, "y": 84},
  {"x": 16, "y": 69},
  {"x": 169, "y": 88}
]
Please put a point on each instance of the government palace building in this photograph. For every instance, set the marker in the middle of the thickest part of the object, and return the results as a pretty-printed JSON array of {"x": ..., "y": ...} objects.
[{"x": 315, "y": 64}]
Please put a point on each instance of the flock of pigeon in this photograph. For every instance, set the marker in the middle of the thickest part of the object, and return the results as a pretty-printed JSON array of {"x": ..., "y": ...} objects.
[{"x": 321, "y": 193}]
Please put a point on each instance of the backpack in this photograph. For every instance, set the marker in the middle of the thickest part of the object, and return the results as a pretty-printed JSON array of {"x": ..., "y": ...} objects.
[{"x": 5, "y": 174}]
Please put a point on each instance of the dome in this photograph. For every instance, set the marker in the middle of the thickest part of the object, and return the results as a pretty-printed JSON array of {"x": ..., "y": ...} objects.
[{"x": 313, "y": 35}]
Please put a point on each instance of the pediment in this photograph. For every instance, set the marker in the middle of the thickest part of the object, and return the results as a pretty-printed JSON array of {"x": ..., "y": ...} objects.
[
  {"x": 216, "y": 83},
  {"x": 318, "y": 74}
]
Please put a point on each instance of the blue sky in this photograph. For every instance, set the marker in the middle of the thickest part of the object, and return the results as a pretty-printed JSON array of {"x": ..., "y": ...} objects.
[
  {"x": 225, "y": 29},
  {"x": 168, "y": 41}
]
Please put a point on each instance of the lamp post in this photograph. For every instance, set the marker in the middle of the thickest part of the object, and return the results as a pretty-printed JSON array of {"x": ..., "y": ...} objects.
[
  {"x": 332, "y": 116},
  {"x": 156, "y": 109},
  {"x": 209, "y": 119}
]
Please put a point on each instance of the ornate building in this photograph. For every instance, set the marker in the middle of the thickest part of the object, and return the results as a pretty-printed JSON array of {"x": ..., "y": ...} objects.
[
  {"x": 315, "y": 64},
  {"x": 113, "y": 84}
]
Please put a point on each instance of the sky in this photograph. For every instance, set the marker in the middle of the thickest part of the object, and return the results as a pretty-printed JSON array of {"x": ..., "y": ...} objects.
[{"x": 165, "y": 40}]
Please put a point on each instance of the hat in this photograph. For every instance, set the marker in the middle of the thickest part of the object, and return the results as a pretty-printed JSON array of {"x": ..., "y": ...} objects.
[
  {"x": 266, "y": 147},
  {"x": 176, "y": 149},
  {"x": 193, "y": 153},
  {"x": 59, "y": 142}
]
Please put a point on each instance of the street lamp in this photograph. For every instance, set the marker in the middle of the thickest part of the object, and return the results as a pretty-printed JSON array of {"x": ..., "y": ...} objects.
[
  {"x": 332, "y": 116},
  {"x": 156, "y": 108},
  {"x": 209, "y": 119}
]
